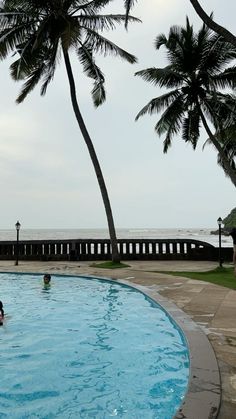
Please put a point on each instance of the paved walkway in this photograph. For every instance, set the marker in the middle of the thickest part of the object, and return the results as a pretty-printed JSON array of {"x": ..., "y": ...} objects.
[{"x": 212, "y": 307}]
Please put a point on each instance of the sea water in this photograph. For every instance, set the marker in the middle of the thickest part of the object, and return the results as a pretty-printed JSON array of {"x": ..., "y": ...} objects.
[
  {"x": 154, "y": 233},
  {"x": 87, "y": 348}
]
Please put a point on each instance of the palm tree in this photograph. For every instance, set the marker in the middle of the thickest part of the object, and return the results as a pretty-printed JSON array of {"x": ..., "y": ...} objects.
[
  {"x": 198, "y": 72},
  {"x": 40, "y": 32}
]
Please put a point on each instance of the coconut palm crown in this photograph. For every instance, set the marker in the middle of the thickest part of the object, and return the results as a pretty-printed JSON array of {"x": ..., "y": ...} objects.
[
  {"x": 42, "y": 30},
  {"x": 40, "y": 33},
  {"x": 197, "y": 73}
]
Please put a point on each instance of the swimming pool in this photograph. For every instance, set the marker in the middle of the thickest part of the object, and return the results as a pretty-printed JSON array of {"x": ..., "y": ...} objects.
[{"x": 87, "y": 348}]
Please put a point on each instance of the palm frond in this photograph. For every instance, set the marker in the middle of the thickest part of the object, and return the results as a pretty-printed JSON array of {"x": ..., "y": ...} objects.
[
  {"x": 215, "y": 54},
  {"x": 220, "y": 109},
  {"x": 50, "y": 68},
  {"x": 170, "y": 125},
  {"x": 163, "y": 77},
  {"x": 92, "y": 6},
  {"x": 21, "y": 68},
  {"x": 85, "y": 55},
  {"x": 225, "y": 79},
  {"x": 105, "y": 46},
  {"x": 10, "y": 38},
  {"x": 171, "y": 119},
  {"x": 190, "y": 127},
  {"x": 157, "y": 104},
  {"x": 29, "y": 59},
  {"x": 128, "y": 5},
  {"x": 104, "y": 22},
  {"x": 30, "y": 83},
  {"x": 160, "y": 40},
  {"x": 98, "y": 93}
]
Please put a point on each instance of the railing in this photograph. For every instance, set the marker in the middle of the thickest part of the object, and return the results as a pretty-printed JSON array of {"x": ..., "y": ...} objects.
[{"x": 130, "y": 249}]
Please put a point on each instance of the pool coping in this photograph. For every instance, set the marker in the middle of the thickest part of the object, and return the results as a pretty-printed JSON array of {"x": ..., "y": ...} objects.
[{"x": 203, "y": 395}]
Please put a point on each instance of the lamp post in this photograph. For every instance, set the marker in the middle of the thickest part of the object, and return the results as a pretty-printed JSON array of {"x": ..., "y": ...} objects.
[
  {"x": 219, "y": 221},
  {"x": 17, "y": 225}
]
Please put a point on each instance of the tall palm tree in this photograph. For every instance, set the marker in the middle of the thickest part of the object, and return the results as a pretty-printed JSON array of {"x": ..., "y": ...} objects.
[
  {"x": 197, "y": 70},
  {"x": 40, "y": 32}
]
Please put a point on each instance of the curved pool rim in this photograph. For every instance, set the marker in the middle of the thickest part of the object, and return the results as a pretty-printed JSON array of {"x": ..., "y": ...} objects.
[{"x": 203, "y": 394}]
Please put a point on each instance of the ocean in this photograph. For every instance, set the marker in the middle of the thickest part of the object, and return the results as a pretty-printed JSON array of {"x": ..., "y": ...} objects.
[{"x": 122, "y": 233}]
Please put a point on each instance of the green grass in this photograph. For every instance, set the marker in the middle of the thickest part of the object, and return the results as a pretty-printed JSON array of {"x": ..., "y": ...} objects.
[
  {"x": 110, "y": 265},
  {"x": 219, "y": 276}
]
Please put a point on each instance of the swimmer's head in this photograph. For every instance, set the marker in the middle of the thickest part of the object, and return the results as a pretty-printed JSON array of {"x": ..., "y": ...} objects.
[
  {"x": 1, "y": 305},
  {"x": 47, "y": 278}
]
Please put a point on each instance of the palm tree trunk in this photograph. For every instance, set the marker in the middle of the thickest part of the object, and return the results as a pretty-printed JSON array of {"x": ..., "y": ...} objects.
[
  {"x": 96, "y": 165},
  {"x": 229, "y": 37},
  {"x": 226, "y": 164}
]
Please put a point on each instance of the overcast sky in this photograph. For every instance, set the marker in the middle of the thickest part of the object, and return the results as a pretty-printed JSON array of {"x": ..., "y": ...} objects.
[{"x": 46, "y": 176}]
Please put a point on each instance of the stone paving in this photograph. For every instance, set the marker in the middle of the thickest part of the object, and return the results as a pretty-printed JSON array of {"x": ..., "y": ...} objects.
[{"x": 212, "y": 307}]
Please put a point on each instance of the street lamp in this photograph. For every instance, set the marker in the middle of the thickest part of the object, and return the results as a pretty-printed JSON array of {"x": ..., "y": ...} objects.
[
  {"x": 17, "y": 225},
  {"x": 219, "y": 221}
]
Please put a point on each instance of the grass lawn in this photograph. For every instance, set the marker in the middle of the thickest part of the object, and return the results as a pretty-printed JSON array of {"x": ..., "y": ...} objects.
[
  {"x": 110, "y": 265},
  {"x": 219, "y": 276}
]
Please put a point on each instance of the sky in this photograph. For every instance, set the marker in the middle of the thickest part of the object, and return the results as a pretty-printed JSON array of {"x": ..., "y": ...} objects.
[{"x": 46, "y": 177}]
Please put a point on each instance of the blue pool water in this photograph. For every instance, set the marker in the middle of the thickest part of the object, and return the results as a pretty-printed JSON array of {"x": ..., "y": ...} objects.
[{"x": 87, "y": 348}]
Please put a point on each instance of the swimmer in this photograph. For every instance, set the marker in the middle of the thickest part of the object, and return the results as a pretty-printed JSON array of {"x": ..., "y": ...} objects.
[
  {"x": 47, "y": 280},
  {"x": 1, "y": 314}
]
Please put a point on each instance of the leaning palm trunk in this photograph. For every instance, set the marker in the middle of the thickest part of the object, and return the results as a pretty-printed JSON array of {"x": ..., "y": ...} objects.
[
  {"x": 96, "y": 165},
  {"x": 228, "y": 169},
  {"x": 212, "y": 24}
]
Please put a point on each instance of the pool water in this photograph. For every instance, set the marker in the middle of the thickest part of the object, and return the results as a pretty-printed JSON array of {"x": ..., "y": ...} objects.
[{"x": 87, "y": 348}]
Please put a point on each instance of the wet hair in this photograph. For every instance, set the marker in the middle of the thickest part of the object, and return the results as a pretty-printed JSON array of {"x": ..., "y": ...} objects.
[{"x": 47, "y": 276}]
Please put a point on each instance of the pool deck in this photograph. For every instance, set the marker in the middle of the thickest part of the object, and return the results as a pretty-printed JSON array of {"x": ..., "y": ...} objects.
[{"x": 210, "y": 306}]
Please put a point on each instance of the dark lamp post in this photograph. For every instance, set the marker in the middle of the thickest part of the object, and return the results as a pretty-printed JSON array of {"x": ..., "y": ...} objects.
[
  {"x": 17, "y": 225},
  {"x": 219, "y": 221}
]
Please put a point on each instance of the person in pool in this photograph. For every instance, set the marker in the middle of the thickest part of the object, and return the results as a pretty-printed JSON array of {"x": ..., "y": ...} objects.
[
  {"x": 47, "y": 280},
  {"x": 1, "y": 313}
]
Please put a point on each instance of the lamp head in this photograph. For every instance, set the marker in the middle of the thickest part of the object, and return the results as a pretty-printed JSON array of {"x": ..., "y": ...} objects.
[
  {"x": 219, "y": 221},
  {"x": 17, "y": 225}
]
